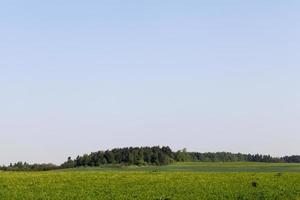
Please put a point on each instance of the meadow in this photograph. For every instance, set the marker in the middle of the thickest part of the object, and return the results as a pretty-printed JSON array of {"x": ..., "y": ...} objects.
[{"x": 179, "y": 181}]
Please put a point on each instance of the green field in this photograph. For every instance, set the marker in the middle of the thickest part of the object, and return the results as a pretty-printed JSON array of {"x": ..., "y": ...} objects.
[
  {"x": 179, "y": 181},
  {"x": 202, "y": 167}
]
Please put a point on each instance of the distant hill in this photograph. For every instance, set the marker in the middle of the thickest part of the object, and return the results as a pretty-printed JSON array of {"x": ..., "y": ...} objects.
[{"x": 150, "y": 156}]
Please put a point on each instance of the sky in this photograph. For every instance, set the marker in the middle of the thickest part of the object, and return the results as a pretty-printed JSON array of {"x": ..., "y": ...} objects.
[{"x": 82, "y": 76}]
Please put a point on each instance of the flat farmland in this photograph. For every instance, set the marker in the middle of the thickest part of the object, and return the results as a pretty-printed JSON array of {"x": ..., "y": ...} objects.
[
  {"x": 201, "y": 167},
  {"x": 180, "y": 181}
]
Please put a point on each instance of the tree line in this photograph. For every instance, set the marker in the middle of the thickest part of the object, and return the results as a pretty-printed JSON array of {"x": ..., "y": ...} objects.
[
  {"x": 148, "y": 156},
  {"x": 24, "y": 166}
]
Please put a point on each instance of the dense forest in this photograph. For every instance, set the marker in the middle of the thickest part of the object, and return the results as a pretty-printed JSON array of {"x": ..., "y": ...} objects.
[{"x": 148, "y": 156}]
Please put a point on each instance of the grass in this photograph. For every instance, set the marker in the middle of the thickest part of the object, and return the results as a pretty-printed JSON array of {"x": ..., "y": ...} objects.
[
  {"x": 202, "y": 167},
  {"x": 180, "y": 181}
]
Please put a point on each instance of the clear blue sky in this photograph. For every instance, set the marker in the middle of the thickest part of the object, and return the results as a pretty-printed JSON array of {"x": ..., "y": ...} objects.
[{"x": 79, "y": 76}]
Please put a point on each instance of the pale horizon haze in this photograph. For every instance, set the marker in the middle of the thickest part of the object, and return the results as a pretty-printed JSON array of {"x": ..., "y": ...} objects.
[{"x": 82, "y": 76}]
